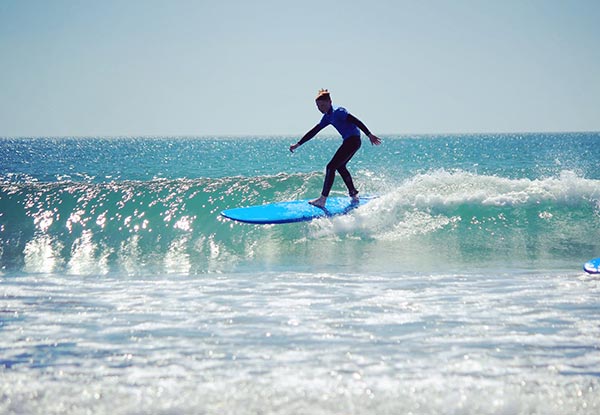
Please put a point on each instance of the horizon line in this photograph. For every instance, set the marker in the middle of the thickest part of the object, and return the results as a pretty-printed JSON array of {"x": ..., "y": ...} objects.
[{"x": 189, "y": 136}]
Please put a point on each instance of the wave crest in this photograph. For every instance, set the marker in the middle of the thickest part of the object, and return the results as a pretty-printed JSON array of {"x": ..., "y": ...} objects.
[{"x": 174, "y": 225}]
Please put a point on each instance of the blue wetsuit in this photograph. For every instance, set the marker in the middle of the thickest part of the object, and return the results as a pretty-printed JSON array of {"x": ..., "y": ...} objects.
[
  {"x": 348, "y": 127},
  {"x": 338, "y": 117}
]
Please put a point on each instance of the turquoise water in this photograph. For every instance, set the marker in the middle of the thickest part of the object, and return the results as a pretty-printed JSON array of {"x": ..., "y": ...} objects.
[{"x": 459, "y": 290}]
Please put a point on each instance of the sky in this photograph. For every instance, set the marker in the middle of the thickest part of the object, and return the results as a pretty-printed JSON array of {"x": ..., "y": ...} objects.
[{"x": 237, "y": 67}]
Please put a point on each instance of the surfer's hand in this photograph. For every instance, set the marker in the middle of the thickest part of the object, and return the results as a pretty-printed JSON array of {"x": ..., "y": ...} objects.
[
  {"x": 374, "y": 139},
  {"x": 294, "y": 146}
]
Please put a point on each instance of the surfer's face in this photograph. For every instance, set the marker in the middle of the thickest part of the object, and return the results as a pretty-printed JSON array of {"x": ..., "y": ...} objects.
[{"x": 324, "y": 105}]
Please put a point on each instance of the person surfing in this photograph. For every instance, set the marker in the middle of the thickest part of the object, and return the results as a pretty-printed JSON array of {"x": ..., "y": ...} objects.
[{"x": 348, "y": 126}]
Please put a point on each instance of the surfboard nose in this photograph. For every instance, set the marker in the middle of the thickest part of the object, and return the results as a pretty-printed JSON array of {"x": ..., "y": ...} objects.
[{"x": 592, "y": 266}]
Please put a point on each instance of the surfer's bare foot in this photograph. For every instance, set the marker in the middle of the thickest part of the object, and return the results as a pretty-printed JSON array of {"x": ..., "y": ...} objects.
[
  {"x": 354, "y": 199},
  {"x": 319, "y": 202}
]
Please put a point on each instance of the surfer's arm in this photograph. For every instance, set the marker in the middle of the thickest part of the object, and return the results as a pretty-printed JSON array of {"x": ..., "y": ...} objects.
[
  {"x": 306, "y": 137},
  {"x": 374, "y": 139}
]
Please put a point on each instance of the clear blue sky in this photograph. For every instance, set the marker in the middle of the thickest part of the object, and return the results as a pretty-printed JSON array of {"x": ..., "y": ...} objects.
[{"x": 128, "y": 67}]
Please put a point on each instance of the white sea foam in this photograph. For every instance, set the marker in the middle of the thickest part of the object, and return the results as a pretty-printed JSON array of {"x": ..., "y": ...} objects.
[
  {"x": 42, "y": 254},
  {"x": 443, "y": 188},
  {"x": 289, "y": 343},
  {"x": 421, "y": 204},
  {"x": 87, "y": 257}
]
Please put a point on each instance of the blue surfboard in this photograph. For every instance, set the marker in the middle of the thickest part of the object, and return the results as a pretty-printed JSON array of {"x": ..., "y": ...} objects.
[
  {"x": 592, "y": 266},
  {"x": 293, "y": 211}
]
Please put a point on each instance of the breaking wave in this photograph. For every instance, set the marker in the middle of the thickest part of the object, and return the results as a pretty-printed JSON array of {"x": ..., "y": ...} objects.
[{"x": 175, "y": 226}]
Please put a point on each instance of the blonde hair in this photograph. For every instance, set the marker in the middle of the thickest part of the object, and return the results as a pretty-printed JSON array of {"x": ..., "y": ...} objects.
[{"x": 323, "y": 94}]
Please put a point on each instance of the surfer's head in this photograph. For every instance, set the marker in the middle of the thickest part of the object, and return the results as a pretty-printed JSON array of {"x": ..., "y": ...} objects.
[
  {"x": 323, "y": 101},
  {"x": 323, "y": 95}
]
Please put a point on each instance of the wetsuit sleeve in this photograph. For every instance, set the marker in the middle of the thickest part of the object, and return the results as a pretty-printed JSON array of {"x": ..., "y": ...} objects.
[
  {"x": 358, "y": 123},
  {"x": 311, "y": 134}
]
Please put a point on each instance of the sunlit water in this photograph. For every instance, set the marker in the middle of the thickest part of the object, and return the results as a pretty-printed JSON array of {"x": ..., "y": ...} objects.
[{"x": 458, "y": 291}]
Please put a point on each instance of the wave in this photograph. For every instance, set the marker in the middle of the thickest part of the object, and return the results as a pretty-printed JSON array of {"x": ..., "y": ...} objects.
[
  {"x": 159, "y": 226},
  {"x": 461, "y": 195}
]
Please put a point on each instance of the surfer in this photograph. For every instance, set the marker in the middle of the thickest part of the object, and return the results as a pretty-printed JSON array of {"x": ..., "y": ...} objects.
[{"x": 348, "y": 126}]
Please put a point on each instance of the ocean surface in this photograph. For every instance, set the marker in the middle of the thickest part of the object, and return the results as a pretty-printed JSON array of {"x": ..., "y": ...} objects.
[{"x": 459, "y": 290}]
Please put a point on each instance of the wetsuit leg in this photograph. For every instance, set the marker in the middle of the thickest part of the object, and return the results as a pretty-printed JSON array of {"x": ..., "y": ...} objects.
[
  {"x": 343, "y": 171},
  {"x": 341, "y": 157}
]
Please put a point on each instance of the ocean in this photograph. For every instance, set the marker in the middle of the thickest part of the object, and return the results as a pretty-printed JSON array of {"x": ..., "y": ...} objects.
[{"x": 459, "y": 290}]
